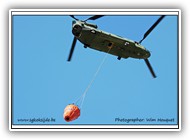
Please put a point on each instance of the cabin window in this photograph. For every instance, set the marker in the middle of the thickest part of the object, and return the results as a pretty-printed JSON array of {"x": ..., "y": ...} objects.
[
  {"x": 126, "y": 43},
  {"x": 92, "y": 31}
]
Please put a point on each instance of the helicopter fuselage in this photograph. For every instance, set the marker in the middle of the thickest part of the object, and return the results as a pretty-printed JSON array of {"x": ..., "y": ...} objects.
[{"x": 89, "y": 35}]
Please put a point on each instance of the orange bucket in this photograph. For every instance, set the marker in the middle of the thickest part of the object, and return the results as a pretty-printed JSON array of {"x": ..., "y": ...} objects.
[{"x": 71, "y": 112}]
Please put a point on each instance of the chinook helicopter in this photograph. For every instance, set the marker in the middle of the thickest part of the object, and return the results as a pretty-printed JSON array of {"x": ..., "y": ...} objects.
[{"x": 89, "y": 35}]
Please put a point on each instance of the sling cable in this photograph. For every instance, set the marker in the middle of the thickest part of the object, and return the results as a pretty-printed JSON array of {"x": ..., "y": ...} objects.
[{"x": 73, "y": 111}]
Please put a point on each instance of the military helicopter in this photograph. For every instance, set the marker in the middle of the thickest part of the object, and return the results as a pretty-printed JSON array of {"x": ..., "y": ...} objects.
[{"x": 89, "y": 35}]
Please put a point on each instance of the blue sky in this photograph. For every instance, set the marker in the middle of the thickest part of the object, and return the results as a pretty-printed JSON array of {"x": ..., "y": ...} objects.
[{"x": 44, "y": 83}]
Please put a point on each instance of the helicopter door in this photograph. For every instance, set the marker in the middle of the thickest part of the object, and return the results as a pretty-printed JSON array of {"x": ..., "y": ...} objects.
[{"x": 110, "y": 44}]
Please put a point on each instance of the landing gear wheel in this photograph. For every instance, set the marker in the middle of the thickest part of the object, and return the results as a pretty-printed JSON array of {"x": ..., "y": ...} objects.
[{"x": 119, "y": 58}]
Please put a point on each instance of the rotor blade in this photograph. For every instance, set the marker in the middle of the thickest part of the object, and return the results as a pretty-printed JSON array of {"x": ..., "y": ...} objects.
[
  {"x": 150, "y": 67},
  {"x": 72, "y": 49},
  {"x": 151, "y": 28},
  {"x": 94, "y": 17},
  {"x": 73, "y": 17}
]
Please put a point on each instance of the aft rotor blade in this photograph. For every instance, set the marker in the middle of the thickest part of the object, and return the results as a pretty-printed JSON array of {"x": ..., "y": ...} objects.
[
  {"x": 150, "y": 67},
  {"x": 73, "y": 17},
  {"x": 72, "y": 49},
  {"x": 94, "y": 17},
  {"x": 152, "y": 27}
]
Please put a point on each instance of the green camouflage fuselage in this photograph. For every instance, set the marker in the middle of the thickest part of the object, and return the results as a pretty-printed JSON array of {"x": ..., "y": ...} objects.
[{"x": 91, "y": 37}]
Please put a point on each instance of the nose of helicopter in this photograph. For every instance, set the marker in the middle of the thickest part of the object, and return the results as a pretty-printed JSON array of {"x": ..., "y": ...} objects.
[
  {"x": 147, "y": 54},
  {"x": 144, "y": 53}
]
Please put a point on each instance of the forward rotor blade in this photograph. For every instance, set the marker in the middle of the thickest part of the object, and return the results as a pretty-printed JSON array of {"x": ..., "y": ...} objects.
[
  {"x": 72, "y": 49},
  {"x": 151, "y": 28},
  {"x": 94, "y": 17},
  {"x": 150, "y": 67},
  {"x": 73, "y": 17}
]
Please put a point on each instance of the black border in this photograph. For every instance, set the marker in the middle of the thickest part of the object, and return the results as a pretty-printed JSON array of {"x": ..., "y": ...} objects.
[{"x": 178, "y": 122}]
